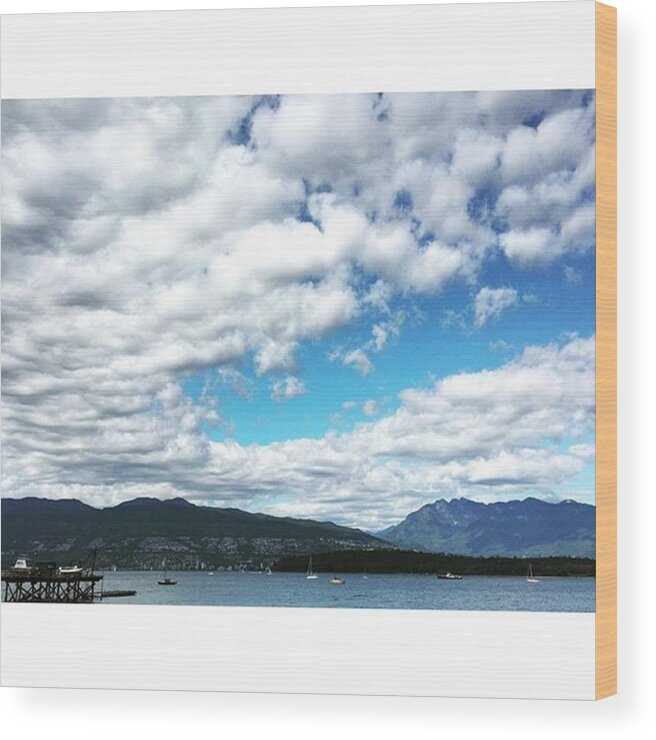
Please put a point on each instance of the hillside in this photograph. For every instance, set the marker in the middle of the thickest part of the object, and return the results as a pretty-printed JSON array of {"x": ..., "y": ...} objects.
[
  {"x": 411, "y": 561},
  {"x": 512, "y": 528},
  {"x": 145, "y": 531}
]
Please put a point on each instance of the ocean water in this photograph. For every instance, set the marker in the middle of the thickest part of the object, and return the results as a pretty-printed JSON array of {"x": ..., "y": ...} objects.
[{"x": 472, "y": 593}]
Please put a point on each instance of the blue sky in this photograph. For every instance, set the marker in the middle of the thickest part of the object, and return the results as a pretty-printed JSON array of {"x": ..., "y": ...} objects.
[
  {"x": 431, "y": 345},
  {"x": 333, "y": 306}
]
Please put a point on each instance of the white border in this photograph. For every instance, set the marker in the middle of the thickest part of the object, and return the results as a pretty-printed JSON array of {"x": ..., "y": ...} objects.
[
  {"x": 330, "y": 651},
  {"x": 446, "y": 47},
  {"x": 491, "y": 46}
]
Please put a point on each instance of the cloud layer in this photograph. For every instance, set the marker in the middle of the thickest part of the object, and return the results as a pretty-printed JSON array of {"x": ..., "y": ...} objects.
[{"x": 146, "y": 239}]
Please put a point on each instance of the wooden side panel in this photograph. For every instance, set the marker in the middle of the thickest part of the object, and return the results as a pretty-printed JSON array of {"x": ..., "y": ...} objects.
[{"x": 606, "y": 491}]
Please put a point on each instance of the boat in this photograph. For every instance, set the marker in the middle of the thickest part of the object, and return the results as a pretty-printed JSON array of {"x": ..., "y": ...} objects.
[
  {"x": 117, "y": 594},
  {"x": 70, "y": 570},
  {"x": 335, "y": 581},
  {"x": 311, "y": 576},
  {"x": 269, "y": 572},
  {"x": 530, "y": 578},
  {"x": 211, "y": 573},
  {"x": 21, "y": 566},
  {"x": 448, "y": 576},
  {"x": 166, "y": 581}
]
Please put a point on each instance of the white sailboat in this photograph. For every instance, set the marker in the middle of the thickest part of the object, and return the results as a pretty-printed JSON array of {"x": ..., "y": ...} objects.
[
  {"x": 310, "y": 575},
  {"x": 166, "y": 581},
  {"x": 530, "y": 578}
]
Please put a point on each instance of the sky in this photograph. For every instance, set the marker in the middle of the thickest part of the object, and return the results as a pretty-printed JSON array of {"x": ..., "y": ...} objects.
[{"x": 340, "y": 307}]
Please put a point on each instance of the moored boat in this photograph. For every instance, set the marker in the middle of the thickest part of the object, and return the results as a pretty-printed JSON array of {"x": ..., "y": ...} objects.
[
  {"x": 530, "y": 578},
  {"x": 311, "y": 576},
  {"x": 69, "y": 570},
  {"x": 336, "y": 581},
  {"x": 166, "y": 581},
  {"x": 21, "y": 566},
  {"x": 448, "y": 576}
]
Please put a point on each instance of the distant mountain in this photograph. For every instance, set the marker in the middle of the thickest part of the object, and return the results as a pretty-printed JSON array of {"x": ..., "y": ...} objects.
[
  {"x": 146, "y": 531},
  {"x": 518, "y": 528}
]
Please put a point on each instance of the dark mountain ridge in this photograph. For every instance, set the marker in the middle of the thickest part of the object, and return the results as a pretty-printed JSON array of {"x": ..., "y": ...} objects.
[
  {"x": 144, "y": 531},
  {"x": 511, "y": 528}
]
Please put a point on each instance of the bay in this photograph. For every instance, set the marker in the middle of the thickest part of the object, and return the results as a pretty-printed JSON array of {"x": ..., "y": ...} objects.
[{"x": 402, "y": 591}]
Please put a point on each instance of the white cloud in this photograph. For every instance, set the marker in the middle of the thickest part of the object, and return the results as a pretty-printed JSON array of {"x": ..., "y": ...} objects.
[
  {"x": 358, "y": 359},
  {"x": 491, "y": 434},
  {"x": 370, "y": 408},
  {"x": 529, "y": 246},
  {"x": 380, "y": 336},
  {"x": 491, "y": 302},
  {"x": 289, "y": 387},
  {"x": 143, "y": 244},
  {"x": 586, "y": 451}
]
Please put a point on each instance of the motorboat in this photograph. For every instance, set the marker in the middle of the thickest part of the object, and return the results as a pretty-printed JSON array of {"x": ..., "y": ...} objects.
[
  {"x": 335, "y": 581},
  {"x": 448, "y": 576},
  {"x": 69, "y": 570},
  {"x": 21, "y": 566}
]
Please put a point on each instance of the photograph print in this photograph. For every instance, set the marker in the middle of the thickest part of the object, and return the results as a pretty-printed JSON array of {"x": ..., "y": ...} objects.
[{"x": 330, "y": 350}]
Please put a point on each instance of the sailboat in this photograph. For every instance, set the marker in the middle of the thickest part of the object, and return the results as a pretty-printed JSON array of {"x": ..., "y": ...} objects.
[
  {"x": 530, "y": 578},
  {"x": 166, "y": 581},
  {"x": 310, "y": 575}
]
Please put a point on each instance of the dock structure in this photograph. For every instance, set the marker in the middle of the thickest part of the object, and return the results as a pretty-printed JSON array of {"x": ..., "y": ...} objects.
[{"x": 50, "y": 587}]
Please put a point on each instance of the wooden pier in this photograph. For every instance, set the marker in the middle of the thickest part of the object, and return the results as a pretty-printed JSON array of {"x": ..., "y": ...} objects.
[
  {"x": 116, "y": 594},
  {"x": 50, "y": 588}
]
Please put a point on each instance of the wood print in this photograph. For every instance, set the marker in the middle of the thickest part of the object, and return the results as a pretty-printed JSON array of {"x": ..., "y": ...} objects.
[{"x": 310, "y": 366}]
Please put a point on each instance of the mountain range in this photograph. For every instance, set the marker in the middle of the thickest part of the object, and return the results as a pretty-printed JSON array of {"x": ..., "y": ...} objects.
[
  {"x": 512, "y": 528},
  {"x": 145, "y": 532}
]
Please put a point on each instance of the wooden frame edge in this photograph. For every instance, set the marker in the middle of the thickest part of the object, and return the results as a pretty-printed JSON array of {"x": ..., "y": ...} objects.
[{"x": 606, "y": 360}]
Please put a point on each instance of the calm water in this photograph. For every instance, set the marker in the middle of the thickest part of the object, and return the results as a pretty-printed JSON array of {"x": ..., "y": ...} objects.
[{"x": 359, "y": 592}]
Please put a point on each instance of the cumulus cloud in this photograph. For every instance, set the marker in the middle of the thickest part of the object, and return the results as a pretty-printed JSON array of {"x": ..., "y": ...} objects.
[
  {"x": 289, "y": 387},
  {"x": 491, "y": 302},
  {"x": 488, "y": 434},
  {"x": 145, "y": 240},
  {"x": 370, "y": 408},
  {"x": 359, "y": 360}
]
